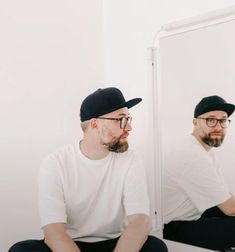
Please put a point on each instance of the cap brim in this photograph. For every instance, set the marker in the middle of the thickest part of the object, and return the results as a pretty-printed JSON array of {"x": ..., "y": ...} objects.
[
  {"x": 133, "y": 102},
  {"x": 226, "y": 107}
]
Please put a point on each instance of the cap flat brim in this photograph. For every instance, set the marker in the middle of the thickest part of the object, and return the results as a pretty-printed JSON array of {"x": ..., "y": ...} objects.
[{"x": 133, "y": 102}]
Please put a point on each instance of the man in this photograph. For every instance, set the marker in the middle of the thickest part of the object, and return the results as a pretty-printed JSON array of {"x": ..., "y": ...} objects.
[
  {"x": 198, "y": 206},
  {"x": 93, "y": 194}
]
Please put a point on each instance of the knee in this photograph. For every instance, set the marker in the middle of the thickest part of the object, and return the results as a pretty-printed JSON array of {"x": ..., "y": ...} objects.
[
  {"x": 29, "y": 246},
  {"x": 17, "y": 247},
  {"x": 154, "y": 244}
]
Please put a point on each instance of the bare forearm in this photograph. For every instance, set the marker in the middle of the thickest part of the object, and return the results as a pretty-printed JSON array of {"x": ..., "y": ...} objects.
[
  {"x": 134, "y": 236},
  {"x": 228, "y": 207},
  {"x": 62, "y": 243},
  {"x": 58, "y": 240}
]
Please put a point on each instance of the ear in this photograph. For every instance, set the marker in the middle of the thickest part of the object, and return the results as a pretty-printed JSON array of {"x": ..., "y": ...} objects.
[
  {"x": 194, "y": 121},
  {"x": 93, "y": 123}
]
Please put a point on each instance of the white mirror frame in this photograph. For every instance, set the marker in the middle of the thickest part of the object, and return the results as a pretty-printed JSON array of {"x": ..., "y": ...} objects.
[{"x": 194, "y": 23}]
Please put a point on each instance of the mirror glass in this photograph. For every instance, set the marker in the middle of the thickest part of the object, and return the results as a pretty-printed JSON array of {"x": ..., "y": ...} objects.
[{"x": 195, "y": 59}]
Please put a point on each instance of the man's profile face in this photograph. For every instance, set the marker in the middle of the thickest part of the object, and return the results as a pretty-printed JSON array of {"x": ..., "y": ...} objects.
[
  {"x": 213, "y": 136},
  {"x": 111, "y": 135}
]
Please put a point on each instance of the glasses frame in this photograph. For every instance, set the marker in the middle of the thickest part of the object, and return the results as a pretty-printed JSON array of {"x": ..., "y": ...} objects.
[
  {"x": 217, "y": 120},
  {"x": 120, "y": 119}
]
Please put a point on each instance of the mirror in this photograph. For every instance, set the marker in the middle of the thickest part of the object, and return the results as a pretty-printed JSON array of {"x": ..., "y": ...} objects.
[{"x": 194, "y": 58}]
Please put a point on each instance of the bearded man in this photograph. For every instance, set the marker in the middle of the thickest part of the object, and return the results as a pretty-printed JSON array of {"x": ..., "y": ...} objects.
[
  {"x": 93, "y": 193},
  {"x": 199, "y": 209}
]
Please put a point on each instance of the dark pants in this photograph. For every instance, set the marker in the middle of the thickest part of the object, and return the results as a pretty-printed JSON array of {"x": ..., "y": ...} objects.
[
  {"x": 152, "y": 244},
  {"x": 214, "y": 230}
]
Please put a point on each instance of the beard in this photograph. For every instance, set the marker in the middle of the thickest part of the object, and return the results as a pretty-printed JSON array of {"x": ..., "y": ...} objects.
[
  {"x": 117, "y": 146},
  {"x": 213, "y": 141}
]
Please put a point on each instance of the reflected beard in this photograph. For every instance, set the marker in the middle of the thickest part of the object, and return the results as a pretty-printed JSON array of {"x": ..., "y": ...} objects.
[
  {"x": 117, "y": 146},
  {"x": 212, "y": 142}
]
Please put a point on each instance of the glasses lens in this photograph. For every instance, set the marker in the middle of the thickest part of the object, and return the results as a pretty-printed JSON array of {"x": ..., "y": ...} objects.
[
  {"x": 211, "y": 122},
  {"x": 224, "y": 123},
  {"x": 124, "y": 121}
]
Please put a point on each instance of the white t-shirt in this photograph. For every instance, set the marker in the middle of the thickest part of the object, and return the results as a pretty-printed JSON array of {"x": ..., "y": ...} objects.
[
  {"x": 92, "y": 197},
  {"x": 192, "y": 182}
]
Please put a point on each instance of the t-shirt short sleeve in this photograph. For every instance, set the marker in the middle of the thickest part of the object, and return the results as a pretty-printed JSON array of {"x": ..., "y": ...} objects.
[
  {"x": 50, "y": 193},
  {"x": 136, "y": 198}
]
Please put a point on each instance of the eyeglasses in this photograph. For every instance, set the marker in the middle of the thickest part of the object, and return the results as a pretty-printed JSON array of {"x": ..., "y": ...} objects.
[
  {"x": 123, "y": 120},
  {"x": 212, "y": 122}
]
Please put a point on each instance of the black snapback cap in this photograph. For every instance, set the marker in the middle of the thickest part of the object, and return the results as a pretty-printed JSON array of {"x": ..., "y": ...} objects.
[
  {"x": 211, "y": 103},
  {"x": 103, "y": 101}
]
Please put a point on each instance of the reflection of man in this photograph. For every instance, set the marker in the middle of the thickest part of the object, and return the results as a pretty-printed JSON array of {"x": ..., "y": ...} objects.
[
  {"x": 93, "y": 193},
  {"x": 194, "y": 189}
]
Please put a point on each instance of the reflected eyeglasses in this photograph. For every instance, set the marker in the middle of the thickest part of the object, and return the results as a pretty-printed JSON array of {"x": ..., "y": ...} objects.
[
  {"x": 123, "y": 120},
  {"x": 212, "y": 122}
]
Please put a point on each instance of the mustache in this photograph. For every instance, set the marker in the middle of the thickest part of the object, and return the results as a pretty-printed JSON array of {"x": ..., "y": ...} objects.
[
  {"x": 124, "y": 135},
  {"x": 116, "y": 142},
  {"x": 218, "y": 133}
]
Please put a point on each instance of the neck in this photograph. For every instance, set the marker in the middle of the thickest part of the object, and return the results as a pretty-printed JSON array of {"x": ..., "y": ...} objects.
[
  {"x": 93, "y": 150},
  {"x": 204, "y": 145}
]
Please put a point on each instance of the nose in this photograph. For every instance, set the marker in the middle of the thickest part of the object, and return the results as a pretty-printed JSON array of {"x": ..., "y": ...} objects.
[
  {"x": 218, "y": 126},
  {"x": 128, "y": 127}
]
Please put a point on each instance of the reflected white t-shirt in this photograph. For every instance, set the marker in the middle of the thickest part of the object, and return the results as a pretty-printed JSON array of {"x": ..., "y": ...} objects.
[
  {"x": 92, "y": 197},
  {"x": 192, "y": 181}
]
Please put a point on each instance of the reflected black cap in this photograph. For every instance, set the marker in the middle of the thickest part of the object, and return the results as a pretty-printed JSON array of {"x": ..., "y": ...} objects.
[
  {"x": 104, "y": 101},
  {"x": 211, "y": 103}
]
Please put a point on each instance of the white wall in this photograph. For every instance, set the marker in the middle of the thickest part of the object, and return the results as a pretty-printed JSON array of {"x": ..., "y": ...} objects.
[{"x": 51, "y": 57}]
